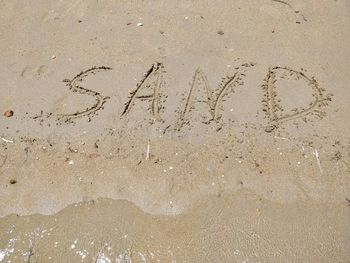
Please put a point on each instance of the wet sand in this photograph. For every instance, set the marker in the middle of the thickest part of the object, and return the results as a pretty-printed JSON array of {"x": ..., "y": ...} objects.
[
  {"x": 236, "y": 228},
  {"x": 175, "y": 132}
]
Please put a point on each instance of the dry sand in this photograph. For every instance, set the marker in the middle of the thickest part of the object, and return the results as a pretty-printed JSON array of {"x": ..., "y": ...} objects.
[{"x": 175, "y": 131}]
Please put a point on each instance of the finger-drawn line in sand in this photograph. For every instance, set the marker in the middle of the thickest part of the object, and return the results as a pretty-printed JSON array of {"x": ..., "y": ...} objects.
[
  {"x": 282, "y": 2},
  {"x": 229, "y": 83},
  {"x": 297, "y": 12},
  {"x": 74, "y": 86},
  {"x": 150, "y": 85},
  {"x": 271, "y": 101},
  {"x": 198, "y": 78},
  {"x": 155, "y": 73},
  {"x": 214, "y": 101}
]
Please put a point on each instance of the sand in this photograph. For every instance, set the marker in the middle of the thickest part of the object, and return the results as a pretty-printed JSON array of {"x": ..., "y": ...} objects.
[{"x": 175, "y": 131}]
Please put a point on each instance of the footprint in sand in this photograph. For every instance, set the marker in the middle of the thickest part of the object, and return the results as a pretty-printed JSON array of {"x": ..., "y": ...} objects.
[{"x": 36, "y": 73}]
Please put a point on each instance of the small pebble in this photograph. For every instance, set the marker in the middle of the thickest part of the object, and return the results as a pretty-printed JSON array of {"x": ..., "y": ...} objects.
[
  {"x": 220, "y": 32},
  {"x": 13, "y": 181},
  {"x": 8, "y": 113},
  {"x": 270, "y": 128}
]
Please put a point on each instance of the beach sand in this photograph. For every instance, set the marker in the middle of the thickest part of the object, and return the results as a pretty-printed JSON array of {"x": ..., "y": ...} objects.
[{"x": 175, "y": 131}]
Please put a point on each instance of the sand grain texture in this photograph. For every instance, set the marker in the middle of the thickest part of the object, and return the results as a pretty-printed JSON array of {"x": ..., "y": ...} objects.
[{"x": 175, "y": 131}]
